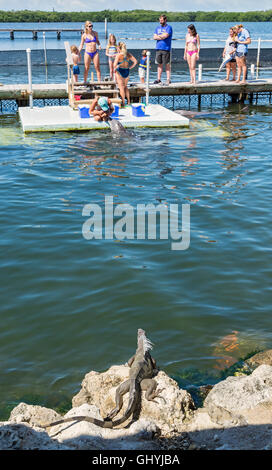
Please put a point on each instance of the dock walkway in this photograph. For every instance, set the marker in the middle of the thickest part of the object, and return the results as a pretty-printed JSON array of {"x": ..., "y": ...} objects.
[{"x": 19, "y": 92}]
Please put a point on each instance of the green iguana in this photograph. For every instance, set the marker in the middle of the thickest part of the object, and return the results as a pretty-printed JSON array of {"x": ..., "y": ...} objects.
[{"x": 142, "y": 369}]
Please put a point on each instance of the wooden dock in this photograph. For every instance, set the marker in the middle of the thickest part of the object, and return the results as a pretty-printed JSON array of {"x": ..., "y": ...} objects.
[
  {"x": 35, "y": 32},
  {"x": 20, "y": 93}
]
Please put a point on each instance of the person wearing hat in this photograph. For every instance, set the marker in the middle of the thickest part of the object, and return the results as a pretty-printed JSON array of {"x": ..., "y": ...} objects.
[{"x": 101, "y": 108}]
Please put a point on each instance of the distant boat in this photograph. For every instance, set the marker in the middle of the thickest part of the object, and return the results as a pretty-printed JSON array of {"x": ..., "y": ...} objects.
[{"x": 227, "y": 58}]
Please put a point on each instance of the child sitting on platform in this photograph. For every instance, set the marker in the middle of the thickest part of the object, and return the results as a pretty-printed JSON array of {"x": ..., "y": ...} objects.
[{"x": 101, "y": 108}]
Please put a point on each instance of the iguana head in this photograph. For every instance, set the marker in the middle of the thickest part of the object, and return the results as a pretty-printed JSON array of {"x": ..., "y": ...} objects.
[{"x": 143, "y": 341}]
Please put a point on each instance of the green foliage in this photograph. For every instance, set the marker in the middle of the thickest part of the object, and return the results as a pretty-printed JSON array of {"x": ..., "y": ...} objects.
[{"x": 25, "y": 16}]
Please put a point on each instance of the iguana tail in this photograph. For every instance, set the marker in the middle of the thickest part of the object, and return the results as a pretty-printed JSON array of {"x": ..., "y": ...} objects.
[
  {"x": 97, "y": 422},
  {"x": 108, "y": 423}
]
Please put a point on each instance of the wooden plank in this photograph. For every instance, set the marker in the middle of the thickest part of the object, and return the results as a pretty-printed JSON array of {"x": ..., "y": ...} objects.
[
  {"x": 96, "y": 92},
  {"x": 59, "y": 90},
  {"x": 91, "y": 83}
]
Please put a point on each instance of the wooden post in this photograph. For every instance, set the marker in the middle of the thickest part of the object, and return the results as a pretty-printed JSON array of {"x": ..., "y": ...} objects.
[
  {"x": 35, "y": 35},
  {"x": 252, "y": 70},
  {"x": 234, "y": 97}
]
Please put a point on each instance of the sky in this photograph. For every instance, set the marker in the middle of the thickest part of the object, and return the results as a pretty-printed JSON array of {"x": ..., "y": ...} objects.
[{"x": 168, "y": 5}]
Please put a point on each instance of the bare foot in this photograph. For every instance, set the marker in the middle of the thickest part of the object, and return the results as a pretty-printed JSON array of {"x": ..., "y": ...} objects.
[
  {"x": 237, "y": 81},
  {"x": 243, "y": 82},
  {"x": 227, "y": 78}
]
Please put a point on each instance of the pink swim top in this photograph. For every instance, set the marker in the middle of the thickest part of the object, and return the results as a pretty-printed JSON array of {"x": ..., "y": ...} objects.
[{"x": 194, "y": 39}]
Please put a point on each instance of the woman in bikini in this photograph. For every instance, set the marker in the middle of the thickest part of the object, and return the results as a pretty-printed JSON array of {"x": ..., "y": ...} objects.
[
  {"x": 122, "y": 68},
  {"x": 90, "y": 38},
  {"x": 191, "y": 51}
]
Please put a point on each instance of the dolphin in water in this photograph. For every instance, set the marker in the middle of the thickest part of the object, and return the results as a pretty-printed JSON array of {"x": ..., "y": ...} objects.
[{"x": 117, "y": 128}]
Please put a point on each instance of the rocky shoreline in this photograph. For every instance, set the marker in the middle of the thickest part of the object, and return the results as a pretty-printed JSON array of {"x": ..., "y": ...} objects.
[{"x": 236, "y": 415}]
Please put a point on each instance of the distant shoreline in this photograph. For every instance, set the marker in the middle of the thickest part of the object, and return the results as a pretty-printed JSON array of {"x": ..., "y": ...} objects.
[{"x": 29, "y": 16}]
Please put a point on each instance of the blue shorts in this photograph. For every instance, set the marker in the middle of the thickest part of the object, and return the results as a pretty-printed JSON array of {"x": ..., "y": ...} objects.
[
  {"x": 76, "y": 70},
  {"x": 241, "y": 54}
]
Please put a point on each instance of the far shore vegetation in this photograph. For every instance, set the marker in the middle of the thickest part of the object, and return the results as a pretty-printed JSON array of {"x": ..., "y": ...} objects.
[{"x": 29, "y": 16}]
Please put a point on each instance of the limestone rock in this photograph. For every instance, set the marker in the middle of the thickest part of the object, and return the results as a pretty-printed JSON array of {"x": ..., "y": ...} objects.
[
  {"x": 202, "y": 430},
  {"x": 264, "y": 357},
  {"x": 32, "y": 414},
  {"x": 23, "y": 437},
  {"x": 87, "y": 436},
  {"x": 168, "y": 413},
  {"x": 232, "y": 400}
]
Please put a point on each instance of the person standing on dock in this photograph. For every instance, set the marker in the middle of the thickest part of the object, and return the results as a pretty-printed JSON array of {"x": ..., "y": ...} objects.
[
  {"x": 122, "y": 68},
  {"x": 163, "y": 36},
  {"x": 230, "y": 49},
  {"x": 142, "y": 66},
  {"x": 191, "y": 51},
  {"x": 76, "y": 59},
  {"x": 90, "y": 39},
  {"x": 243, "y": 39},
  {"x": 111, "y": 53}
]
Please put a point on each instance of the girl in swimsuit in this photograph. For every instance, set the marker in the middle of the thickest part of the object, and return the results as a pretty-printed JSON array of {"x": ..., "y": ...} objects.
[
  {"x": 191, "y": 51},
  {"x": 90, "y": 38},
  {"x": 122, "y": 68},
  {"x": 111, "y": 52}
]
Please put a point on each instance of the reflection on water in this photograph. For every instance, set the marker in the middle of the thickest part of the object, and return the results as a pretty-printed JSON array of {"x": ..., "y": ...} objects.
[{"x": 70, "y": 292}]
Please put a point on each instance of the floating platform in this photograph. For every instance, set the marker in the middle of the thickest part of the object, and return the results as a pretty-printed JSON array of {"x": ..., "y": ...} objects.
[{"x": 64, "y": 118}]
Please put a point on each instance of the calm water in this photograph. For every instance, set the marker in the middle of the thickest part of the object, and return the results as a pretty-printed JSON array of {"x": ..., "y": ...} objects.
[
  {"x": 70, "y": 305},
  {"x": 137, "y": 35}
]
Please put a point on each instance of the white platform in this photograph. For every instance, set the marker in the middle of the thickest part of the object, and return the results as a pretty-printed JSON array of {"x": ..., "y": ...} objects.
[{"x": 64, "y": 118}]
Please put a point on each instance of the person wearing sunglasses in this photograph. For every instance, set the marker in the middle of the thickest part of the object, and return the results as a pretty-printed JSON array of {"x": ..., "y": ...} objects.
[{"x": 90, "y": 40}]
